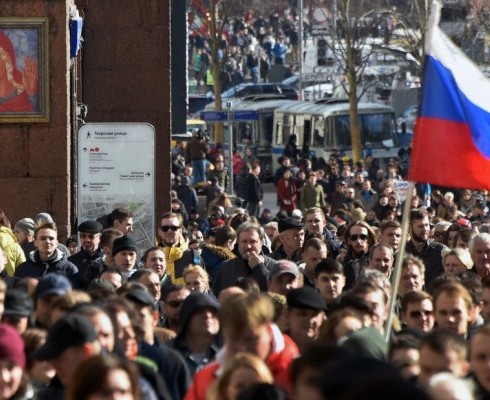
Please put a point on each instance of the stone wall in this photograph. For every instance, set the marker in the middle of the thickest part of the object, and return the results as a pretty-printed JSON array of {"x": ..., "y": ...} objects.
[
  {"x": 126, "y": 70},
  {"x": 35, "y": 158}
]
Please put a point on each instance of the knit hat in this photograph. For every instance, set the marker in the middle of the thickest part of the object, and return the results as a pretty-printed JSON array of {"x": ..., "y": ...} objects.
[
  {"x": 124, "y": 243},
  {"x": 18, "y": 304},
  {"x": 11, "y": 346},
  {"x": 43, "y": 218},
  {"x": 25, "y": 225}
]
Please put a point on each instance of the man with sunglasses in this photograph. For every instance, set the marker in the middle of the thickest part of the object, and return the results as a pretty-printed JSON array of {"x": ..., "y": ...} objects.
[
  {"x": 87, "y": 259},
  {"x": 417, "y": 311},
  {"x": 176, "y": 253},
  {"x": 359, "y": 238}
]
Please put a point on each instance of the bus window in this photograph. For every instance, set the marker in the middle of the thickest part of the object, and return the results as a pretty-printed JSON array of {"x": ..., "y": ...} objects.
[
  {"x": 244, "y": 132},
  {"x": 376, "y": 128},
  {"x": 287, "y": 127},
  {"x": 279, "y": 133},
  {"x": 318, "y": 132},
  {"x": 267, "y": 123},
  {"x": 342, "y": 131}
]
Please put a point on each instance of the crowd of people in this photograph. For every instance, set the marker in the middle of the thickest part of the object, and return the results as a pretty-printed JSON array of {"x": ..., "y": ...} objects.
[
  {"x": 233, "y": 302},
  {"x": 248, "y": 48}
]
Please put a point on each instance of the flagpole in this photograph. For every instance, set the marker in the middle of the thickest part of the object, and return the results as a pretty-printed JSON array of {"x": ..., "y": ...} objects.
[{"x": 399, "y": 260}]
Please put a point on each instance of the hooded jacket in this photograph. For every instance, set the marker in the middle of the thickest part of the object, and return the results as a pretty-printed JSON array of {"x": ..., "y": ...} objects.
[
  {"x": 12, "y": 250},
  {"x": 213, "y": 256},
  {"x": 34, "y": 267},
  {"x": 284, "y": 350}
]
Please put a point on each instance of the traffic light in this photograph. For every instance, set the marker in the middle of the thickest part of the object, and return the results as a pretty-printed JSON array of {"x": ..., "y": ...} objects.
[{"x": 321, "y": 52}]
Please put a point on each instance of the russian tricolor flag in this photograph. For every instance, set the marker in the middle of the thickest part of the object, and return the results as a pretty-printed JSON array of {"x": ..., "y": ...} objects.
[{"x": 451, "y": 144}]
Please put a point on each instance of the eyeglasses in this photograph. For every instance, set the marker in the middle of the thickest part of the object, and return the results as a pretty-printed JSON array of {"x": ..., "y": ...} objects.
[
  {"x": 439, "y": 234},
  {"x": 165, "y": 228},
  {"x": 418, "y": 314},
  {"x": 362, "y": 236},
  {"x": 88, "y": 235},
  {"x": 175, "y": 303}
]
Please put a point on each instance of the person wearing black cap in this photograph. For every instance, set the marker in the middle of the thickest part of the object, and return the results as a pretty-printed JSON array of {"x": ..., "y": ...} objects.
[
  {"x": 124, "y": 251},
  {"x": 306, "y": 314},
  {"x": 47, "y": 258},
  {"x": 171, "y": 366},
  {"x": 198, "y": 340},
  {"x": 87, "y": 259},
  {"x": 291, "y": 237},
  {"x": 70, "y": 341},
  {"x": 49, "y": 288},
  {"x": 18, "y": 308}
]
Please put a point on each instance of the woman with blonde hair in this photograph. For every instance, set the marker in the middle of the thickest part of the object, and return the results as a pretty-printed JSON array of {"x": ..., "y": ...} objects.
[
  {"x": 241, "y": 372},
  {"x": 456, "y": 260},
  {"x": 196, "y": 279}
]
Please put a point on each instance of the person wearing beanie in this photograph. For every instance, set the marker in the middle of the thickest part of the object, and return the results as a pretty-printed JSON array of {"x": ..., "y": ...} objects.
[
  {"x": 198, "y": 340},
  {"x": 88, "y": 259},
  {"x": 47, "y": 258},
  {"x": 124, "y": 251},
  {"x": 24, "y": 232},
  {"x": 12, "y": 363}
]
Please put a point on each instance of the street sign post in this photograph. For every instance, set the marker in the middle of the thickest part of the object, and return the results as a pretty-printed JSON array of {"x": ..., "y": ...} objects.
[
  {"x": 214, "y": 116},
  {"x": 116, "y": 168}
]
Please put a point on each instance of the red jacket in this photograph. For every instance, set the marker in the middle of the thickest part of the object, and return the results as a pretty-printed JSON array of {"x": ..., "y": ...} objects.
[
  {"x": 284, "y": 350},
  {"x": 286, "y": 193}
]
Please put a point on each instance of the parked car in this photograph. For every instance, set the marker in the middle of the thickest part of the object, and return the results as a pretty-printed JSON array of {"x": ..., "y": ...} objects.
[
  {"x": 318, "y": 91},
  {"x": 249, "y": 89}
]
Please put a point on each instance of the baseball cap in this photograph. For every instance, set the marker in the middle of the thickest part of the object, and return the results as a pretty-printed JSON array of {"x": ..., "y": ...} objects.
[
  {"x": 52, "y": 283},
  {"x": 141, "y": 296},
  {"x": 281, "y": 267},
  {"x": 70, "y": 331}
]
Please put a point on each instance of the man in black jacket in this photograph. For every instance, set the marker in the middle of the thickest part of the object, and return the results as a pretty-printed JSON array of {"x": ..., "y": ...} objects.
[
  {"x": 87, "y": 258},
  {"x": 47, "y": 258},
  {"x": 250, "y": 263},
  {"x": 255, "y": 192}
]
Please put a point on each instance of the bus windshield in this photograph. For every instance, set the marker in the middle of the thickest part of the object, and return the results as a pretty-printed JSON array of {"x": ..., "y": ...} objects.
[{"x": 375, "y": 128}]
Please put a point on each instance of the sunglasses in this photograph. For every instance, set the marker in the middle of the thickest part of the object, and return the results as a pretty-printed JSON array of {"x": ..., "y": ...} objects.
[
  {"x": 175, "y": 303},
  {"x": 88, "y": 235},
  {"x": 418, "y": 314},
  {"x": 362, "y": 236},
  {"x": 165, "y": 228}
]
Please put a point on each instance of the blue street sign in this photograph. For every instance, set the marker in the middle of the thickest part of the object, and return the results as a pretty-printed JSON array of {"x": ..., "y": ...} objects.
[
  {"x": 214, "y": 116},
  {"x": 245, "y": 115}
]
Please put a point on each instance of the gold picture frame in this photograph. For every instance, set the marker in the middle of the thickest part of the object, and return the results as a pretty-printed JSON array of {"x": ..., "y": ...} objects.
[{"x": 24, "y": 70}]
